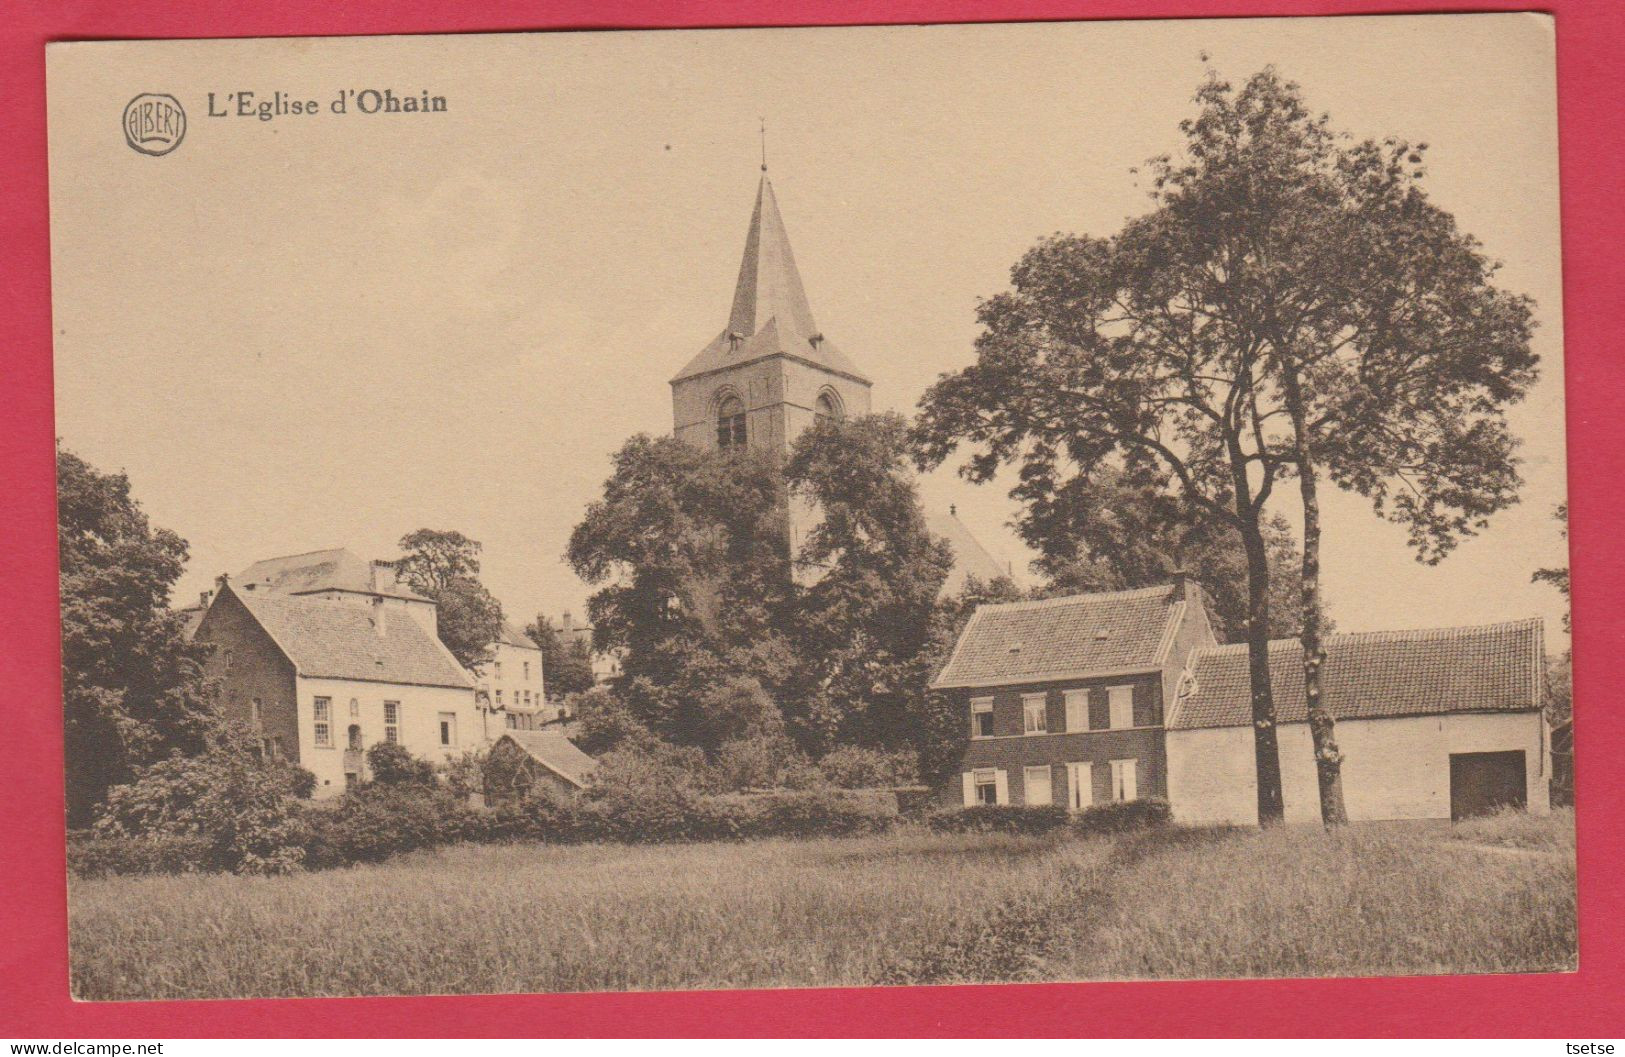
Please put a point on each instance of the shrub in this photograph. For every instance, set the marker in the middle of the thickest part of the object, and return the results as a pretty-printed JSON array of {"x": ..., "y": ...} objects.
[
  {"x": 764, "y": 761},
  {"x": 605, "y": 721},
  {"x": 857, "y": 767},
  {"x": 244, "y": 808},
  {"x": 1122, "y": 816},
  {"x": 90, "y": 855},
  {"x": 817, "y": 813},
  {"x": 1001, "y": 818},
  {"x": 392, "y": 764},
  {"x": 372, "y": 823},
  {"x": 464, "y": 774}
]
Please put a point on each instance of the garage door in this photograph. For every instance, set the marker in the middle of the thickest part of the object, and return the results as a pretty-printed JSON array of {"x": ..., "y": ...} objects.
[{"x": 1482, "y": 782}]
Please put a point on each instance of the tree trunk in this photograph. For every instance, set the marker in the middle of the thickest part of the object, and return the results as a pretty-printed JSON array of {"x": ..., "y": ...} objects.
[
  {"x": 1322, "y": 727},
  {"x": 1266, "y": 751}
]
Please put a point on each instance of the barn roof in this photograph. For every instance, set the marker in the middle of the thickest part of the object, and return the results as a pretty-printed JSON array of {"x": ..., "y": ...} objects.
[
  {"x": 556, "y": 752},
  {"x": 334, "y": 569},
  {"x": 1375, "y": 675},
  {"x": 343, "y": 640},
  {"x": 1078, "y": 636}
]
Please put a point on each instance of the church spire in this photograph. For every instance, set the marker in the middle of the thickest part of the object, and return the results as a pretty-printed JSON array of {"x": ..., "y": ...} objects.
[{"x": 769, "y": 286}]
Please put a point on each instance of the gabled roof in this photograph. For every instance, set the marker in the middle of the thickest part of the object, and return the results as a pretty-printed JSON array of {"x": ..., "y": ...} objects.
[
  {"x": 1075, "y": 637},
  {"x": 512, "y": 635},
  {"x": 770, "y": 315},
  {"x": 556, "y": 752},
  {"x": 970, "y": 557},
  {"x": 1375, "y": 675},
  {"x": 335, "y": 569},
  {"x": 328, "y": 639}
]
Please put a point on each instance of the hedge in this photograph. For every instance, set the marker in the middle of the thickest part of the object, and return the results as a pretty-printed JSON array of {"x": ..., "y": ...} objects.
[
  {"x": 90, "y": 855},
  {"x": 1118, "y": 817}
]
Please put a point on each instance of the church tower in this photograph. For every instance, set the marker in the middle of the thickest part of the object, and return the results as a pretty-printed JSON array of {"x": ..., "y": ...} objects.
[{"x": 771, "y": 372}]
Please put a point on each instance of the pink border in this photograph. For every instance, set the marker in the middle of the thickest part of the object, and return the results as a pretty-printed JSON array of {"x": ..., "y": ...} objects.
[{"x": 33, "y": 961}]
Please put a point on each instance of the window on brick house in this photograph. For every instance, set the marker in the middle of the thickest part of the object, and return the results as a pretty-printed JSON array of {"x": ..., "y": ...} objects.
[
  {"x": 1034, "y": 714},
  {"x": 392, "y": 722},
  {"x": 987, "y": 786},
  {"x": 322, "y": 720},
  {"x": 1077, "y": 710},
  {"x": 1121, "y": 706},
  {"x": 1125, "y": 780},
  {"x": 981, "y": 717},
  {"x": 731, "y": 423},
  {"x": 1035, "y": 782}
]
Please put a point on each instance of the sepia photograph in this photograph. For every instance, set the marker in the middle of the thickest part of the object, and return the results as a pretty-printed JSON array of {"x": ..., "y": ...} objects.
[{"x": 812, "y": 507}]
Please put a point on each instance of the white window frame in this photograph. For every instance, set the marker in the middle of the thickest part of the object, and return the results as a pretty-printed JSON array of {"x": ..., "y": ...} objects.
[
  {"x": 1125, "y": 780},
  {"x": 392, "y": 722},
  {"x": 1080, "y": 786},
  {"x": 979, "y": 779},
  {"x": 1031, "y": 705},
  {"x": 981, "y": 706},
  {"x": 1120, "y": 707},
  {"x": 321, "y": 723},
  {"x": 1077, "y": 709},
  {"x": 1048, "y": 782}
]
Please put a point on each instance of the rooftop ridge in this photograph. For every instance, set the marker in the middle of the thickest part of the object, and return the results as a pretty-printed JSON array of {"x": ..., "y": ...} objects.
[
  {"x": 1400, "y": 635},
  {"x": 1078, "y": 599}
]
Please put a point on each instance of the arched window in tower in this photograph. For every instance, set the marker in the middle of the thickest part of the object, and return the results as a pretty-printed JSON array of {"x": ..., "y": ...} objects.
[
  {"x": 827, "y": 407},
  {"x": 731, "y": 423}
]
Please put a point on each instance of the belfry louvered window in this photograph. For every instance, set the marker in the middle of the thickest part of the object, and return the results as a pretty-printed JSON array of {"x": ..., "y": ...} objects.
[{"x": 731, "y": 423}]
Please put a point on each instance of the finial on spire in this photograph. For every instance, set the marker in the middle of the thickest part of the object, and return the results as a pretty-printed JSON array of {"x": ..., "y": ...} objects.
[{"x": 763, "y": 120}]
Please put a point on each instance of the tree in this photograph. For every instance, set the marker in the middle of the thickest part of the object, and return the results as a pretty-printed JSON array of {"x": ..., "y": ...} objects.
[
  {"x": 862, "y": 624},
  {"x": 566, "y": 664},
  {"x": 445, "y": 566},
  {"x": 1114, "y": 531},
  {"x": 1388, "y": 356},
  {"x": 133, "y": 691},
  {"x": 688, "y": 548},
  {"x": 1118, "y": 354},
  {"x": 1558, "y": 576}
]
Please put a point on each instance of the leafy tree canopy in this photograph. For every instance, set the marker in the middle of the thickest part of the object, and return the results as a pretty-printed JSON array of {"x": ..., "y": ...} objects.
[
  {"x": 445, "y": 566},
  {"x": 566, "y": 663}
]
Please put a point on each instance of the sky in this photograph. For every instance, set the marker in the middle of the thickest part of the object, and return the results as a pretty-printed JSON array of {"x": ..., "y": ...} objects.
[{"x": 322, "y": 331}]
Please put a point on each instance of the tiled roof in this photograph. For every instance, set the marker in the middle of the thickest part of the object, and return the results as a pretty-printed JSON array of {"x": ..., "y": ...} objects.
[
  {"x": 1496, "y": 667},
  {"x": 192, "y": 616},
  {"x": 336, "y": 569},
  {"x": 339, "y": 640},
  {"x": 513, "y": 635},
  {"x": 555, "y": 752},
  {"x": 970, "y": 557},
  {"x": 770, "y": 312},
  {"x": 1063, "y": 638}
]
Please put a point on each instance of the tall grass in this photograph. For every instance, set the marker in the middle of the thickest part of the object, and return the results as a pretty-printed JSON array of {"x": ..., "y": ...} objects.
[{"x": 905, "y": 907}]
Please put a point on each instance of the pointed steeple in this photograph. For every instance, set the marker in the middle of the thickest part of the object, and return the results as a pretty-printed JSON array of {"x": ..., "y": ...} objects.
[
  {"x": 770, "y": 313},
  {"x": 769, "y": 286}
]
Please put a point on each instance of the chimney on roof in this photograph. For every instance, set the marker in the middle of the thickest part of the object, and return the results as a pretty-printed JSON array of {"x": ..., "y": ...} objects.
[
  {"x": 384, "y": 577},
  {"x": 203, "y": 599},
  {"x": 376, "y": 604},
  {"x": 1185, "y": 585},
  {"x": 222, "y": 580},
  {"x": 567, "y": 623}
]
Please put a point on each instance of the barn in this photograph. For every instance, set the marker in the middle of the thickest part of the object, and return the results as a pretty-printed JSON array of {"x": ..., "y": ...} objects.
[
  {"x": 1442, "y": 723},
  {"x": 522, "y": 760}
]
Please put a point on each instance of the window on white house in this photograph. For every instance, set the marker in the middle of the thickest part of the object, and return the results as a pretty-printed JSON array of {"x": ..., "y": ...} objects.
[
  {"x": 322, "y": 719},
  {"x": 1080, "y": 786},
  {"x": 1121, "y": 704},
  {"x": 527, "y": 671},
  {"x": 355, "y": 706},
  {"x": 513, "y": 721},
  {"x": 1125, "y": 780},
  {"x": 987, "y": 786},
  {"x": 496, "y": 669},
  {"x": 392, "y": 722},
  {"x": 1077, "y": 710},
  {"x": 448, "y": 728},
  {"x": 1034, "y": 714},
  {"x": 499, "y": 698},
  {"x": 981, "y": 717},
  {"x": 1035, "y": 783}
]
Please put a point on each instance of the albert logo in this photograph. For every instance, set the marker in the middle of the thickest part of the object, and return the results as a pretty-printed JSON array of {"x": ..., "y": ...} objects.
[{"x": 154, "y": 124}]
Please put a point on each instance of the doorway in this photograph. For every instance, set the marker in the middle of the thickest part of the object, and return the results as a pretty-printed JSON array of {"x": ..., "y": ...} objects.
[{"x": 1484, "y": 782}]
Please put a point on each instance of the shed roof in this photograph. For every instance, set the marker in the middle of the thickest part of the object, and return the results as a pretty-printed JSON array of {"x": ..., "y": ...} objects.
[
  {"x": 1375, "y": 675},
  {"x": 1077, "y": 636},
  {"x": 343, "y": 640},
  {"x": 556, "y": 752}
]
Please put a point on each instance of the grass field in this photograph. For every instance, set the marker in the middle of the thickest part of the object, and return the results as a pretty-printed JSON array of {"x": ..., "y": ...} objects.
[{"x": 909, "y": 907}]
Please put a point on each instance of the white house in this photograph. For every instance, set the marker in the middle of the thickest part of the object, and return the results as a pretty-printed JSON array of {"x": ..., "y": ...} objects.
[
  {"x": 323, "y": 676},
  {"x": 511, "y": 681},
  {"x": 1442, "y": 723}
]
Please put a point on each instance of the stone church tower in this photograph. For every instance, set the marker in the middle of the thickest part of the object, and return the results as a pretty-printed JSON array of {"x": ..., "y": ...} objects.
[{"x": 771, "y": 373}]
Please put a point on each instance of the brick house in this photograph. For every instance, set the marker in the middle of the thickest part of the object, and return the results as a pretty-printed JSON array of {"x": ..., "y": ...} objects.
[
  {"x": 322, "y": 677},
  {"x": 1064, "y": 699},
  {"x": 1441, "y": 723}
]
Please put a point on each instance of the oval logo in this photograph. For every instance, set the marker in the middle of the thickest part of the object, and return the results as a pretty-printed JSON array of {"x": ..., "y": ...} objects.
[{"x": 154, "y": 123}]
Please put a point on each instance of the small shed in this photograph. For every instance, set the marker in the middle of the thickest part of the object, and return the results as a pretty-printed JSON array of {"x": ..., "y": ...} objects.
[{"x": 522, "y": 759}]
